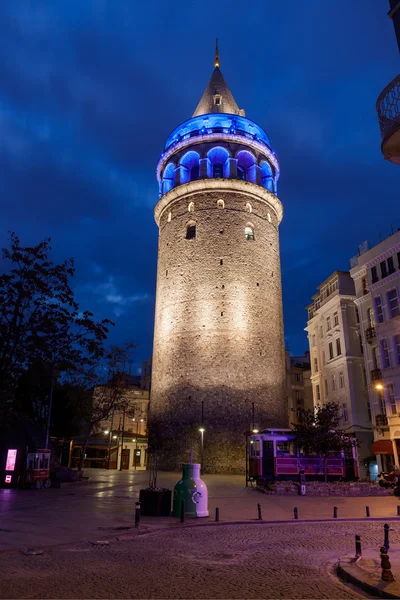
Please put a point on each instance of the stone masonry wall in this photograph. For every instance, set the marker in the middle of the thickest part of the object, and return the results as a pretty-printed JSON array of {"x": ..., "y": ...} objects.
[{"x": 218, "y": 328}]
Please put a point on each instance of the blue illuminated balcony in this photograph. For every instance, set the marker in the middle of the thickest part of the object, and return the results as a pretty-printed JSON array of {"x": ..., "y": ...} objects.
[{"x": 388, "y": 109}]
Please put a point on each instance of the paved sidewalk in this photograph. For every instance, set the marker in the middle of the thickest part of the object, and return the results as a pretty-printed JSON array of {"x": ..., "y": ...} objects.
[{"x": 366, "y": 572}]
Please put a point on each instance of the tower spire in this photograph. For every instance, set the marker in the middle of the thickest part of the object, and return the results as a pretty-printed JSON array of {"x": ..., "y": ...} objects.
[{"x": 216, "y": 57}]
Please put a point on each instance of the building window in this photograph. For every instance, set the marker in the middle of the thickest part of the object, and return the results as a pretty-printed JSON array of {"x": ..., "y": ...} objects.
[
  {"x": 374, "y": 275},
  {"x": 318, "y": 392},
  {"x": 379, "y": 309},
  {"x": 169, "y": 217},
  {"x": 328, "y": 323},
  {"x": 316, "y": 365},
  {"x": 297, "y": 377},
  {"x": 313, "y": 340},
  {"x": 384, "y": 271},
  {"x": 241, "y": 173},
  {"x": 364, "y": 286},
  {"x": 321, "y": 332},
  {"x": 217, "y": 100},
  {"x": 345, "y": 415},
  {"x": 375, "y": 357},
  {"x": 335, "y": 319},
  {"x": 221, "y": 204},
  {"x": 323, "y": 357},
  {"x": 357, "y": 315},
  {"x": 326, "y": 387},
  {"x": 341, "y": 379},
  {"x": 333, "y": 383},
  {"x": 392, "y": 399},
  {"x": 190, "y": 232},
  {"x": 397, "y": 346},
  {"x": 194, "y": 173},
  {"x": 297, "y": 395},
  {"x": 218, "y": 170},
  {"x": 385, "y": 354},
  {"x": 249, "y": 208},
  {"x": 269, "y": 218},
  {"x": 393, "y": 302},
  {"x": 390, "y": 264},
  {"x": 330, "y": 351},
  {"x": 191, "y": 207},
  {"x": 338, "y": 348},
  {"x": 370, "y": 317},
  {"x": 249, "y": 233}
]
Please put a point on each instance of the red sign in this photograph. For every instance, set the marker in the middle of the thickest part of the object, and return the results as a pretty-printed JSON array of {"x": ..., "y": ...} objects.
[
  {"x": 8, "y": 478},
  {"x": 11, "y": 460}
]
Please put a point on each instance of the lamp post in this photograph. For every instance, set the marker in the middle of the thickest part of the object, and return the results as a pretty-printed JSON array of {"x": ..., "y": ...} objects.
[
  {"x": 201, "y": 429},
  {"x": 122, "y": 436}
]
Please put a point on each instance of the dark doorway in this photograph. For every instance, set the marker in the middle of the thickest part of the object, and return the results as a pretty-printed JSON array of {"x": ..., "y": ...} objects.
[
  {"x": 125, "y": 458},
  {"x": 268, "y": 459}
]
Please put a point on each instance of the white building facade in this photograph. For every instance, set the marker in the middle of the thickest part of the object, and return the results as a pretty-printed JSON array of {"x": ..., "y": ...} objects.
[
  {"x": 376, "y": 274},
  {"x": 336, "y": 356}
]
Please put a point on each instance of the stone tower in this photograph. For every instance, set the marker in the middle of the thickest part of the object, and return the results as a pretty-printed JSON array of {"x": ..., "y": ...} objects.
[{"x": 218, "y": 339}]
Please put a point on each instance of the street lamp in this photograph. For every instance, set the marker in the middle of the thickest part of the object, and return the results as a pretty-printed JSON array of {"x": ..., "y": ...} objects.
[
  {"x": 378, "y": 386},
  {"x": 202, "y": 430}
]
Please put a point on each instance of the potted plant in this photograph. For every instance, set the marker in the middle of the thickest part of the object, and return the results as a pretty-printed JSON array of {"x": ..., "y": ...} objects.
[{"x": 155, "y": 501}]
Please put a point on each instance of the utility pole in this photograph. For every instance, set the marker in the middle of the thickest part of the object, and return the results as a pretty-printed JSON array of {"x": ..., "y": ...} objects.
[
  {"x": 50, "y": 406},
  {"x": 122, "y": 436}
]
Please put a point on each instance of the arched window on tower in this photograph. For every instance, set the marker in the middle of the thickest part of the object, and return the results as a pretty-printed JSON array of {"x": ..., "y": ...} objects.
[
  {"x": 217, "y": 163},
  {"x": 189, "y": 166},
  {"x": 246, "y": 166},
  {"x": 249, "y": 207},
  {"x": 191, "y": 207},
  {"x": 249, "y": 232},
  {"x": 221, "y": 204},
  {"x": 168, "y": 180},
  {"x": 190, "y": 230},
  {"x": 267, "y": 179},
  {"x": 169, "y": 216}
]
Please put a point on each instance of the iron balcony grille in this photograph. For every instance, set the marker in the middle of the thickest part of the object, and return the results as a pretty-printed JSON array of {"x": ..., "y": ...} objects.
[
  {"x": 381, "y": 420},
  {"x": 388, "y": 107},
  {"x": 376, "y": 375},
  {"x": 370, "y": 334}
]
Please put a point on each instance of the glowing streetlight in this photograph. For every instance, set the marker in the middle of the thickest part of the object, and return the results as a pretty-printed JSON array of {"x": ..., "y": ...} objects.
[
  {"x": 255, "y": 430},
  {"x": 378, "y": 386},
  {"x": 115, "y": 437},
  {"x": 106, "y": 432},
  {"x": 202, "y": 430}
]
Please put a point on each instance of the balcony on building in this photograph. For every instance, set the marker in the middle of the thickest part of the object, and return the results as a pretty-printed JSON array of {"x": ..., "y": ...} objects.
[
  {"x": 388, "y": 109},
  {"x": 376, "y": 376},
  {"x": 381, "y": 420},
  {"x": 370, "y": 334}
]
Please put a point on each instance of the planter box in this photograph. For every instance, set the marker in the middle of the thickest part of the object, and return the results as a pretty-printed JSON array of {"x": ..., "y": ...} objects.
[{"x": 155, "y": 503}]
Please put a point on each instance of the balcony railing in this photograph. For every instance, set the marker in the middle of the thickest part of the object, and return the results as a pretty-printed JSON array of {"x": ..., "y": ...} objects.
[
  {"x": 370, "y": 334},
  {"x": 388, "y": 109},
  {"x": 376, "y": 375},
  {"x": 381, "y": 420}
]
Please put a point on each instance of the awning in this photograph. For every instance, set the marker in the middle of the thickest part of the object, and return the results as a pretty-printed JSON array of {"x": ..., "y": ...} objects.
[{"x": 384, "y": 447}]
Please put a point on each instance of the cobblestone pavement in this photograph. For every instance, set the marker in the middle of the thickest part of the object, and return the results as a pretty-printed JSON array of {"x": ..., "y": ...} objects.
[{"x": 212, "y": 561}]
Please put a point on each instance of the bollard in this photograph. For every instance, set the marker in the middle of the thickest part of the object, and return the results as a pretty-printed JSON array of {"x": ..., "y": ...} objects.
[
  {"x": 367, "y": 511},
  {"x": 398, "y": 511},
  {"x": 386, "y": 534},
  {"x": 182, "y": 511},
  {"x": 335, "y": 512},
  {"x": 296, "y": 512},
  {"x": 358, "y": 547},
  {"x": 387, "y": 574},
  {"x": 217, "y": 514},
  {"x": 259, "y": 512},
  {"x": 137, "y": 514}
]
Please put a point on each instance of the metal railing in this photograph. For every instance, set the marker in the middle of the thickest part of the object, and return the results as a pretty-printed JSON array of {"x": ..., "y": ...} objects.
[
  {"x": 376, "y": 375},
  {"x": 388, "y": 107},
  {"x": 381, "y": 420},
  {"x": 370, "y": 334}
]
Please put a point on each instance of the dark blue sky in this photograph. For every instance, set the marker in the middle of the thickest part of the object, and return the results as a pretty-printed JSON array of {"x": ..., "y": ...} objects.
[{"x": 90, "y": 90}]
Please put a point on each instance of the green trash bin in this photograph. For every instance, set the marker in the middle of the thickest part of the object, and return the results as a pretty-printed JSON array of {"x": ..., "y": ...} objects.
[{"x": 193, "y": 491}]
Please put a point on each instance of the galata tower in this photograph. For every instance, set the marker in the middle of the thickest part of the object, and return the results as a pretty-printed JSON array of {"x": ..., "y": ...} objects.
[{"x": 218, "y": 338}]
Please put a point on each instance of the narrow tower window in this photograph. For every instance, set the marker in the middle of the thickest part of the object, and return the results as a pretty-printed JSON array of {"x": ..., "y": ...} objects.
[
  {"x": 217, "y": 99},
  {"x": 218, "y": 171},
  {"x": 190, "y": 231},
  {"x": 221, "y": 204},
  {"x": 169, "y": 216},
  {"x": 249, "y": 207},
  {"x": 191, "y": 207},
  {"x": 249, "y": 232},
  {"x": 269, "y": 217}
]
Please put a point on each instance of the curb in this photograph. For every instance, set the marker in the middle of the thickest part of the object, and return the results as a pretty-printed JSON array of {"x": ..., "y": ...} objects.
[{"x": 367, "y": 587}]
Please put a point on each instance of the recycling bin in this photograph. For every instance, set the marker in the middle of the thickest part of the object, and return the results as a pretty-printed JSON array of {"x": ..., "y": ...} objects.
[{"x": 193, "y": 491}]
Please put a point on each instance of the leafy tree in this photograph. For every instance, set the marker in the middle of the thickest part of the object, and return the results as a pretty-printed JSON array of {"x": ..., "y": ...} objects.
[
  {"x": 40, "y": 321},
  {"x": 97, "y": 402},
  {"x": 318, "y": 431}
]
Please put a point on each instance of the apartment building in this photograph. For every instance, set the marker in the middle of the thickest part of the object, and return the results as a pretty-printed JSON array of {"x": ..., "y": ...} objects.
[
  {"x": 376, "y": 274},
  {"x": 336, "y": 356},
  {"x": 298, "y": 384}
]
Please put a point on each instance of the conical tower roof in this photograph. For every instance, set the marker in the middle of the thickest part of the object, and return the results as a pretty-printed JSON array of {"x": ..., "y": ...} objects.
[{"x": 217, "y": 97}]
